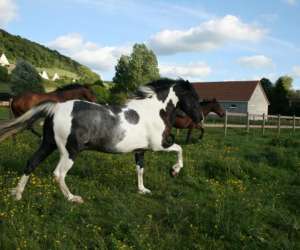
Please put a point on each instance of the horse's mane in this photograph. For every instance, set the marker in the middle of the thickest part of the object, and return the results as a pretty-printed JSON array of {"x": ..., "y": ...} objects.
[
  {"x": 155, "y": 87},
  {"x": 208, "y": 101},
  {"x": 70, "y": 87}
]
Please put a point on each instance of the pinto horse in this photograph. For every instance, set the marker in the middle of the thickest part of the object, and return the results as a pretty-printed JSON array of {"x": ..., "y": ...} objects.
[
  {"x": 143, "y": 123},
  {"x": 206, "y": 106},
  {"x": 22, "y": 103}
]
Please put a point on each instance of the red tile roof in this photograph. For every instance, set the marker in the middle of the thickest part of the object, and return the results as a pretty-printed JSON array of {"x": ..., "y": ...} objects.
[{"x": 226, "y": 91}]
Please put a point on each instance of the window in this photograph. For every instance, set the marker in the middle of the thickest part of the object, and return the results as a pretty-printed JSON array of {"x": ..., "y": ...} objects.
[{"x": 233, "y": 106}]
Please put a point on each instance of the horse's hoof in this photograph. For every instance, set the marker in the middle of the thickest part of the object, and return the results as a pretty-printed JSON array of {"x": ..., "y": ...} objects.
[
  {"x": 173, "y": 173},
  {"x": 144, "y": 191},
  {"x": 76, "y": 199}
]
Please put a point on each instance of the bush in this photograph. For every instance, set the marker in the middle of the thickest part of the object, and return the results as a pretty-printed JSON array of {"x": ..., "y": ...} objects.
[
  {"x": 101, "y": 93},
  {"x": 25, "y": 78}
]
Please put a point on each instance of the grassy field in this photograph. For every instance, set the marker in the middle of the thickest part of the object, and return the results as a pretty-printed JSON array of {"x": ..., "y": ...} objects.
[{"x": 238, "y": 192}]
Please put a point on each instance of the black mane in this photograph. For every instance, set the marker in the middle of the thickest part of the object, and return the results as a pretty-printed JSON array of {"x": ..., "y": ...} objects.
[
  {"x": 70, "y": 87},
  {"x": 160, "y": 87},
  {"x": 163, "y": 83}
]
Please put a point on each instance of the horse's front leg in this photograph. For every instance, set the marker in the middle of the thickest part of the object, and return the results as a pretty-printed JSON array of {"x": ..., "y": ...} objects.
[
  {"x": 179, "y": 165},
  {"x": 139, "y": 160},
  {"x": 188, "y": 136},
  {"x": 200, "y": 127}
]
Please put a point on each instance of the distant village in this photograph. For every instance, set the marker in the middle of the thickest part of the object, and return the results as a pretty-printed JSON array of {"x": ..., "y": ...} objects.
[{"x": 5, "y": 63}]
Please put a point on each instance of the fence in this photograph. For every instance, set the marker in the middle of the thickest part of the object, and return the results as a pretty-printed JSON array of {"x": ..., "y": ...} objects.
[{"x": 248, "y": 121}]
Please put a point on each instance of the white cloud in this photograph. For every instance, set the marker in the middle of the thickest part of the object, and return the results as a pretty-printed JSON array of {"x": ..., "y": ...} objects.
[
  {"x": 207, "y": 36},
  {"x": 296, "y": 71},
  {"x": 290, "y": 2},
  {"x": 189, "y": 71},
  {"x": 88, "y": 53},
  {"x": 258, "y": 61},
  {"x": 8, "y": 11}
]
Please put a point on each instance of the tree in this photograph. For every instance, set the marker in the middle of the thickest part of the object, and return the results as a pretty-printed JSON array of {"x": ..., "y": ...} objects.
[
  {"x": 121, "y": 77},
  {"x": 280, "y": 95},
  {"x": 3, "y": 74},
  {"x": 137, "y": 69},
  {"x": 267, "y": 85},
  {"x": 24, "y": 77},
  {"x": 87, "y": 76}
]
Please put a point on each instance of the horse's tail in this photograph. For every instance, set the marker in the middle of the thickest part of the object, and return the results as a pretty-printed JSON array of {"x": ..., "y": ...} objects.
[{"x": 13, "y": 126}]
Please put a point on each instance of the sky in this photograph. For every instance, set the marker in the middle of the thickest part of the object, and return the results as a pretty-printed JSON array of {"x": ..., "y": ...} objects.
[{"x": 209, "y": 40}]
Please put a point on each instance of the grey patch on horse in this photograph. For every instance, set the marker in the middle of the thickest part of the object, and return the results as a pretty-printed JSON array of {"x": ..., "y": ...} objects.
[
  {"x": 132, "y": 116},
  {"x": 93, "y": 128}
]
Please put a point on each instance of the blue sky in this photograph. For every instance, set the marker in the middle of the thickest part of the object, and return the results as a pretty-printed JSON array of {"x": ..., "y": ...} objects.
[{"x": 205, "y": 40}]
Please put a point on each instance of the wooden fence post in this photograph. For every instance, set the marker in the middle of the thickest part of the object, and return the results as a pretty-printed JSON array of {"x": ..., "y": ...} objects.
[
  {"x": 278, "y": 125},
  {"x": 248, "y": 122},
  {"x": 294, "y": 123},
  {"x": 11, "y": 115},
  {"x": 225, "y": 123},
  {"x": 263, "y": 124}
]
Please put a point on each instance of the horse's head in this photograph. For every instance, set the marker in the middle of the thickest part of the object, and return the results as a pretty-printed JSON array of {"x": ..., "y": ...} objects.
[
  {"x": 212, "y": 105},
  {"x": 188, "y": 100}
]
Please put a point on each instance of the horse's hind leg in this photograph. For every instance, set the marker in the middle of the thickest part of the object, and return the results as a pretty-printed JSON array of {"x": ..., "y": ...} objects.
[
  {"x": 64, "y": 165},
  {"x": 44, "y": 150}
]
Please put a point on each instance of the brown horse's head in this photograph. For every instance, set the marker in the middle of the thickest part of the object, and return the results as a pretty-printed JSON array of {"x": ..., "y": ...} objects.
[
  {"x": 212, "y": 105},
  {"x": 89, "y": 95}
]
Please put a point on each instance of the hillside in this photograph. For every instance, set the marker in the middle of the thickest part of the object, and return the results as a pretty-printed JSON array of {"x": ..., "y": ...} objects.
[{"x": 16, "y": 47}]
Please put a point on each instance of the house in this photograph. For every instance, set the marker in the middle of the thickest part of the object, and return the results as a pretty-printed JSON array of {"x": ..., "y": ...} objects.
[
  {"x": 236, "y": 96},
  {"x": 44, "y": 75},
  {"x": 55, "y": 77},
  {"x": 3, "y": 60}
]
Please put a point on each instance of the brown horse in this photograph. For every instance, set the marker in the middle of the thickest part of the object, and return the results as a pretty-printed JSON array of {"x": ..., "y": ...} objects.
[
  {"x": 207, "y": 106},
  {"x": 22, "y": 103}
]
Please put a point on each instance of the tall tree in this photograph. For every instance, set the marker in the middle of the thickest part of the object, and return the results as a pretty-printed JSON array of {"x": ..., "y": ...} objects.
[
  {"x": 25, "y": 77},
  {"x": 281, "y": 92},
  {"x": 267, "y": 85},
  {"x": 122, "y": 78},
  {"x": 137, "y": 69}
]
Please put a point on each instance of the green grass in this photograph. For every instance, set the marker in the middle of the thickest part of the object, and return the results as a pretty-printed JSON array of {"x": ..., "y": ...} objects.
[
  {"x": 4, "y": 113},
  {"x": 238, "y": 192}
]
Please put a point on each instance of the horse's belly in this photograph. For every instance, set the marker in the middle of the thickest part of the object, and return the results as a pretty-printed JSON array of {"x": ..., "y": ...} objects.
[{"x": 134, "y": 139}]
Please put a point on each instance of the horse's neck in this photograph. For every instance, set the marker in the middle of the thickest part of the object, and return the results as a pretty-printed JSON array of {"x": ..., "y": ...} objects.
[
  {"x": 206, "y": 108},
  {"x": 153, "y": 106}
]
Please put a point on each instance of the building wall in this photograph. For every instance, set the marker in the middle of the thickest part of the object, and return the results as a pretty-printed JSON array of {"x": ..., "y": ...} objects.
[{"x": 258, "y": 103}]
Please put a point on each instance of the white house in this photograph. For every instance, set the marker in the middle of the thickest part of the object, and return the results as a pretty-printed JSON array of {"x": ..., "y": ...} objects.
[
  {"x": 44, "y": 75},
  {"x": 236, "y": 96},
  {"x": 3, "y": 60},
  {"x": 55, "y": 77}
]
